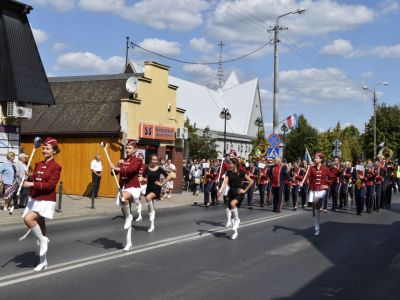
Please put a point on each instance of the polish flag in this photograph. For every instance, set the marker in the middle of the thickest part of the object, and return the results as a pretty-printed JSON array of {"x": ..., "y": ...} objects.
[{"x": 292, "y": 121}]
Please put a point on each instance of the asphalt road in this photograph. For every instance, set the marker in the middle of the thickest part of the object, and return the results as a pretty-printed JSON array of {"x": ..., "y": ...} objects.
[{"x": 191, "y": 256}]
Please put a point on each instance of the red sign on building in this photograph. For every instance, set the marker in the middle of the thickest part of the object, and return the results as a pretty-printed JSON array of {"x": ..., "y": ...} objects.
[{"x": 156, "y": 132}]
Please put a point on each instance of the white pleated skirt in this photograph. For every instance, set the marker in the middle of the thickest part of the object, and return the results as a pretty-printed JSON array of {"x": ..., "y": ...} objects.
[{"x": 44, "y": 208}]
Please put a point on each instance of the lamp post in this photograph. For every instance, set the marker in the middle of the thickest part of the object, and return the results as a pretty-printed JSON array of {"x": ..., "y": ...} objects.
[
  {"x": 277, "y": 28},
  {"x": 374, "y": 100},
  {"x": 226, "y": 115},
  {"x": 259, "y": 123}
]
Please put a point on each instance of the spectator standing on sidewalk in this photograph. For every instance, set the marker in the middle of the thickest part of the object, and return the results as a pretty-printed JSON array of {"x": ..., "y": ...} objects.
[
  {"x": 8, "y": 174},
  {"x": 170, "y": 168},
  {"x": 21, "y": 172},
  {"x": 196, "y": 177},
  {"x": 97, "y": 168}
]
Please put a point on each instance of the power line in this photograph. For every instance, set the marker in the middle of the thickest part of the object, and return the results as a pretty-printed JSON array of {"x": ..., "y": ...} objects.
[{"x": 201, "y": 63}]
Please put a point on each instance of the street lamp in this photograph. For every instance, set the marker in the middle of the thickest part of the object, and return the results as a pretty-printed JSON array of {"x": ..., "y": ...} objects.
[
  {"x": 226, "y": 115},
  {"x": 374, "y": 100},
  {"x": 277, "y": 28},
  {"x": 259, "y": 123}
]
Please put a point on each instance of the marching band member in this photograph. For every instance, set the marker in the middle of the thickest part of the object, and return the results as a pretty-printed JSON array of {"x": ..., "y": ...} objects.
[
  {"x": 234, "y": 179},
  {"x": 370, "y": 188},
  {"x": 359, "y": 190},
  {"x": 296, "y": 175},
  {"x": 128, "y": 169},
  {"x": 336, "y": 185},
  {"x": 208, "y": 181},
  {"x": 143, "y": 185},
  {"x": 42, "y": 200},
  {"x": 214, "y": 183},
  {"x": 277, "y": 174},
  {"x": 318, "y": 175},
  {"x": 253, "y": 174},
  {"x": 153, "y": 189},
  {"x": 262, "y": 182},
  {"x": 305, "y": 188},
  {"x": 378, "y": 185},
  {"x": 345, "y": 178},
  {"x": 383, "y": 171}
]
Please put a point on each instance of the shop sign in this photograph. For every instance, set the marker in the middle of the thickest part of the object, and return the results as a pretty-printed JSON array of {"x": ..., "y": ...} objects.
[{"x": 156, "y": 132}]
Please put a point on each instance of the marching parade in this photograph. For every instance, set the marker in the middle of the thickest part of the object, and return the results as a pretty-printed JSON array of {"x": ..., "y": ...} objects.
[{"x": 149, "y": 150}]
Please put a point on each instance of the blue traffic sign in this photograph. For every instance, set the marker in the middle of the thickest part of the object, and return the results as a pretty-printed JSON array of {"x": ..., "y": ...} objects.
[
  {"x": 274, "y": 152},
  {"x": 274, "y": 140}
]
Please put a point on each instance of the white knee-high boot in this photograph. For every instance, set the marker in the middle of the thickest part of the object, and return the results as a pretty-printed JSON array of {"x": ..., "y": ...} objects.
[
  {"x": 42, "y": 264},
  {"x": 128, "y": 244},
  {"x": 43, "y": 241},
  {"x": 228, "y": 213},
  {"x": 128, "y": 217},
  {"x": 316, "y": 221},
  {"x": 152, "y": 215},
  {"x": 236, "y": 223},
  {"x": 139, "y": 209}
]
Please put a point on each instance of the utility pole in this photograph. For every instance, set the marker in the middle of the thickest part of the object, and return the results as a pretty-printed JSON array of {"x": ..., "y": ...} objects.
[
  {"x": 374, "y": 103},
  {"x": 127, "y": 50},
  {"x": 275, "y": 118},
  {"x": 220, "y": 74},
  {"x": 277, "y": 28}
]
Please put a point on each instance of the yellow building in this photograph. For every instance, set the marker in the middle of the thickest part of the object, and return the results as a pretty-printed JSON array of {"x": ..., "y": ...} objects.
[{"x": 91, "y": 109}]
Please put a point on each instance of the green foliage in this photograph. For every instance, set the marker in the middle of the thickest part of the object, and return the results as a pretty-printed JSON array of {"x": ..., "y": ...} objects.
[
  {"x": 387, "y": 130},
  {"x": 201, "y": 146},
  {"x": 259, "y": 140}
]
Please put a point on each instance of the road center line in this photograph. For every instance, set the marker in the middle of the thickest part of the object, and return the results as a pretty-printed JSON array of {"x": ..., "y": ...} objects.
[{"x": 82, "y": 262}]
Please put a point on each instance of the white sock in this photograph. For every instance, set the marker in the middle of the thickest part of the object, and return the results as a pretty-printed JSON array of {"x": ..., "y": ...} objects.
[
  {"x": 38, "y": 232},
  {"x": 129, "y": 236},
  {"x": 126, "y": 211},
  {"x": 316, "y": 219}
]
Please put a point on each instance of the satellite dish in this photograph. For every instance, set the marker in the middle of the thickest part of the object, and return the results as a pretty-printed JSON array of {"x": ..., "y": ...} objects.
[{"x": 131, "y": 85}]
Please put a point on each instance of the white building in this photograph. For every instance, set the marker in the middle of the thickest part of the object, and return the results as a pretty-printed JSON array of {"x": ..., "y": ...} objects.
[{"x": 204, "y": 105}]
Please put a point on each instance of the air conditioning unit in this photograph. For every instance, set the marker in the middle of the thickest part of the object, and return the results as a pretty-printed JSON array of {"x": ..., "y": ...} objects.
[
  {"x": 19, "y": 110},
  {"x": 182, "y": 133}
]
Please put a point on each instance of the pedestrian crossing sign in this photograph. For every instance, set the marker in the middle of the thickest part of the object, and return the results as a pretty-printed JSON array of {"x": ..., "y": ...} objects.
[{"x": 274, "y": 152}]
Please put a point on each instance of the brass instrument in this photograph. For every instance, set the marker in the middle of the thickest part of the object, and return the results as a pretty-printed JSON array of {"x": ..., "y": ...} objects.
[
  {"x": 386, "y": 153},
  {"x": 261, "y": 150}
]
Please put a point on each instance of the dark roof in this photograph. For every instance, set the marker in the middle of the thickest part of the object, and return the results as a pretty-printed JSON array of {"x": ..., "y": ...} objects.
[
  {"x": 84, "y": 105},
  {"x": 22, "y": 76}
]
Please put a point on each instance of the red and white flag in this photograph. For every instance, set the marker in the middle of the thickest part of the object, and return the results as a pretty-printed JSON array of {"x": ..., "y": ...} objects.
[{"x": 292, "y": 121}]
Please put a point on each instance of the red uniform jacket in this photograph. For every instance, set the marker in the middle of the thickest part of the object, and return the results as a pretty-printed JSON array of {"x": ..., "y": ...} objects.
[
  {"x": 370, "y": 176},
  {"x": 45, "y": 178},
  {"x": 264, "y": 176},
  {"x": 319, "y": 178},
  {"x": 129, "y": 172},
  {"x": 144, "y": 179},
  {"x": 336, "y": 175}
]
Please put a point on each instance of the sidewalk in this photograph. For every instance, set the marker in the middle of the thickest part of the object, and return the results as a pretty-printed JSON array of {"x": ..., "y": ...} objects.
[{"x": 75, "y": 208}]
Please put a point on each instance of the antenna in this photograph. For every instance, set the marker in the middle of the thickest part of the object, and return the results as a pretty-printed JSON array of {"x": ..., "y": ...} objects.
[
  {"x": 131, "y": 85},
  {"x": 220, "y": 74}
]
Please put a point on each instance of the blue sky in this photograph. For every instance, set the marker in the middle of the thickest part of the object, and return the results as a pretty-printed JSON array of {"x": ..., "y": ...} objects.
[{"x": 326, "y": 56}]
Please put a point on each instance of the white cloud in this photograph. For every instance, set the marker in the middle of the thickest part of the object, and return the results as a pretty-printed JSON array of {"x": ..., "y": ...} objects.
[
  {"x": 247, "y": 20},
  {"x": 244, "y": 24},
  {"x": 201, "y": 45},
  {"x": 367, "y": 75},
  {"x": 163, "y": 47},
  {"x": 39, "y": 35},
  {"x": 389, "y": 6},
  {"x": 202, "y": 74},
  {"x": 318, "y": 87},
  {"x": 386, "y": 51},
  {"x": 57, "y": 47},
  {"x": 338, "y": 47},
  {"x": 58, "y": 5},
  {"x": 89, "y": 63},
  {"x": 176, "y": 15}
]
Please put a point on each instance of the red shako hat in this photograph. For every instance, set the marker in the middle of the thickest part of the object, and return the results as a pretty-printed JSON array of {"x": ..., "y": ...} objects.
[
  {"x": 131, "y": 142},
  {"x": 50, "y": 141}
]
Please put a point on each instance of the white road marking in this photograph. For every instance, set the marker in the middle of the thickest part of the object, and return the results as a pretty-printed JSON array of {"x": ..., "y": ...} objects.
[{"x": 83, "y": 262}]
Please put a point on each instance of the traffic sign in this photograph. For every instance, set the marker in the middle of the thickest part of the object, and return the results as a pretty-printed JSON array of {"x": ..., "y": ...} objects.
[
  {"x": 337, "y": 143},
  {"x": 337, "y": 153},
  {"x": 274, "y": 140},
  {"x": 273, "y": 152}
]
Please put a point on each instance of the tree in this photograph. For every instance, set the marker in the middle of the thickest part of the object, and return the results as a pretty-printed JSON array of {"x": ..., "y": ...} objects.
[
  {"x": 297, "y": 139},
  {"x": 201, "y": 146},
  {"x": 387, "y": 130},
  {"x": 259, "y": 140}
]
